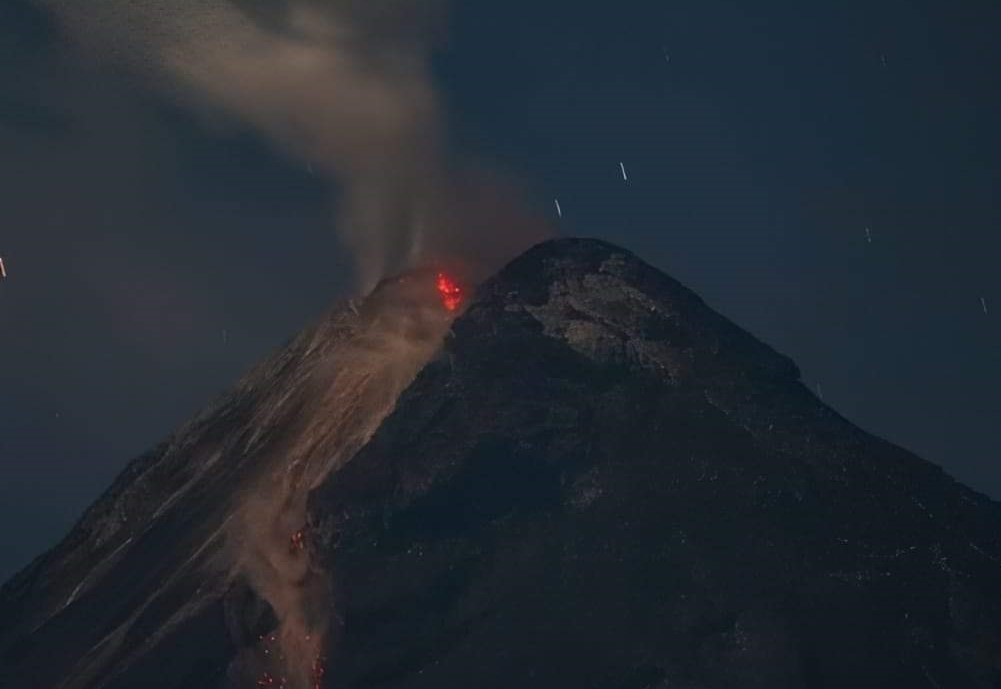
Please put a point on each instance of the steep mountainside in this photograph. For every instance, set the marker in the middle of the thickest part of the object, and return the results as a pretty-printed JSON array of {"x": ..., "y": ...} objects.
[
  {"x": 600, "y": 482},
  {"x": 159, "y": 584},
  {"x": 594, "y": 480}
]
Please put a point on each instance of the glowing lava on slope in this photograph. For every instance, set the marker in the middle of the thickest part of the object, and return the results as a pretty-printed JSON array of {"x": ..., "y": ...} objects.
[
  {"x": 271, "y": 545},
  {"x": 318, "y": 671},
  {"x": 450, "y": 292}
]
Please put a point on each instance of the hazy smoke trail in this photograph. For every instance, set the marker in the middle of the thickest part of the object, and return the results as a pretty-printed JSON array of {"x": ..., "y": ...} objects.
[
  {"x": 342, "y": 96},
  {"x": 345, "y": 87}
]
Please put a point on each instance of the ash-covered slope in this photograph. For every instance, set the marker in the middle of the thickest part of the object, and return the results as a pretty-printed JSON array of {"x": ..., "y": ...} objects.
[
  {"x": 172, "y": 577},
  {"x": 600, "y": 482}
]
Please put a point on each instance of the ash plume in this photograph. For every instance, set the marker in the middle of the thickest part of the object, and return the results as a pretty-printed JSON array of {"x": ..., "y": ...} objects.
[{"x": 343, "y": 86}]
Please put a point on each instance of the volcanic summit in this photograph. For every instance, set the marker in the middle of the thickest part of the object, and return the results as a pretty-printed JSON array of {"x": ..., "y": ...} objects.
[{"x": 580, "y": 476}]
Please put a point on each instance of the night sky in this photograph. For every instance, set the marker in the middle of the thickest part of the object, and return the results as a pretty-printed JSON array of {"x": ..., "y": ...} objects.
[{"x": 153, "y": 254}]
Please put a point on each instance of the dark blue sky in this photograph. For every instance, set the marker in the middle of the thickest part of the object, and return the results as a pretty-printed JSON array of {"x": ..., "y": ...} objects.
[{"x": 135, "y": 233}]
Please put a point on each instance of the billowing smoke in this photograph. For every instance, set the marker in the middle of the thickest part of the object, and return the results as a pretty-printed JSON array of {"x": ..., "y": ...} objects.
[
  {"x": 346, "y": 97},
  {"x": 343, "y": 86}
]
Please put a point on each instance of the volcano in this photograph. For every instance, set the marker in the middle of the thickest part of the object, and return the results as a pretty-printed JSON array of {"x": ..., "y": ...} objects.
[{"x": 580, "y": 476}]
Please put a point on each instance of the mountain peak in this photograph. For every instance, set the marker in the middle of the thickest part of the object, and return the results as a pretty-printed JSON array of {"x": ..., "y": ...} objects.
[{"x": 610, "y": 305}]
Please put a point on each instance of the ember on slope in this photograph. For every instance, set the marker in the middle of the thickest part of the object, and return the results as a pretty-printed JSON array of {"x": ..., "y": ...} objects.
[
  {"x": 272, "y": 649},
  {"x": 394, "y": 332}
]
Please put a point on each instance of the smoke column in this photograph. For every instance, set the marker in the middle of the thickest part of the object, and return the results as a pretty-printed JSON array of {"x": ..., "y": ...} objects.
[
  {"x": 335, "y": 92},
  {"x": 343, "y": 86}
]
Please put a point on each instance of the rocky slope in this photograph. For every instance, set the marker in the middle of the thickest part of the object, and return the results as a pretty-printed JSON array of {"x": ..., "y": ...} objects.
[
  {"x": 600, "y": 482},
  {"x": 595, "y": 481},
  {"x": 182, "y": 571}
]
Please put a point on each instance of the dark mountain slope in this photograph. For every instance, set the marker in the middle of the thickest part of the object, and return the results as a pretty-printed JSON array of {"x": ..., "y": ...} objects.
[{"x": 600, "y": 482}]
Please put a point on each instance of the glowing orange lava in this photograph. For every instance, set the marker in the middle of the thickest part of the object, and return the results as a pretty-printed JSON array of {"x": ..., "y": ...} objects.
[{"x": 451, "y": 293}]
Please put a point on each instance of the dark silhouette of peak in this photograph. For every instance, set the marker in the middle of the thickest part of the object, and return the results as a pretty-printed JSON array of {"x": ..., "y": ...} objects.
[
  {"x": 611, "y": 306},
  {"x": 589, "y": 479}
]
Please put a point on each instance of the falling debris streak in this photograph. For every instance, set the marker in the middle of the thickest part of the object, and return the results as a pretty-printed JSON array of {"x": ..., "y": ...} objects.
[
  {"x": 268, "y": 541},
  {"x": 667, "y": 56},
  {"x": 820, "y": 392},
  {"x": 622, "y": 167},
  {"x": 87, "y": 577},
  {"x": 559, "y": 211},
  {"x": 868, "y": 235},
  {"x": 3, "y": 270},
  {"x": 983, "y": 304},
  {"x": 75, "y": 592}
]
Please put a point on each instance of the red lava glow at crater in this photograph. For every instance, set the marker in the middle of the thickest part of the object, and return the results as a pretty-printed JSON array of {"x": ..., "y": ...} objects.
[{"x": 450, "y": 292}]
